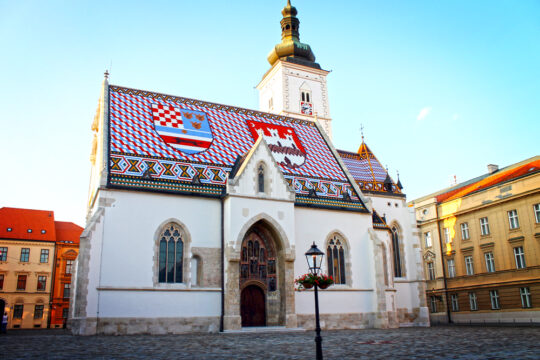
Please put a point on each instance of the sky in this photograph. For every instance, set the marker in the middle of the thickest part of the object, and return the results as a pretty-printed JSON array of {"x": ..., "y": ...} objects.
[{"x": 442, "y": 88}]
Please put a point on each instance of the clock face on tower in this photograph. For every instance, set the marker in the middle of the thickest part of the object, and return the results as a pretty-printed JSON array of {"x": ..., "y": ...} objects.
[{"x": 306, "y": 108}]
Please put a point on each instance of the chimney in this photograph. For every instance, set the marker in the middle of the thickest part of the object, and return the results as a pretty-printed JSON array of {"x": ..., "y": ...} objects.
[{"x": 492, "y": 168}]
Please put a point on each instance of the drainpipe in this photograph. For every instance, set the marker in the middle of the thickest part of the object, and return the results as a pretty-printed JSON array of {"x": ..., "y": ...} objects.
[
  {"x": 222, "y": 199},
  {"x": 448, "y": 314}
]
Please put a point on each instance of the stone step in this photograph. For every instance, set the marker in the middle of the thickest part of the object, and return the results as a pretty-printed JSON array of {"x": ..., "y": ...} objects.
[{"x": 263, "y": 329}]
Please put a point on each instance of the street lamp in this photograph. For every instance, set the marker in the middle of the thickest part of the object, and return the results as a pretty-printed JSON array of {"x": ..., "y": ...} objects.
[{"x": 314, "y": 258}]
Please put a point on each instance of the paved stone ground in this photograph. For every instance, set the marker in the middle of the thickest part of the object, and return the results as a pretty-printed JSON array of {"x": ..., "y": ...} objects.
[{"x": 439, "y": 342}]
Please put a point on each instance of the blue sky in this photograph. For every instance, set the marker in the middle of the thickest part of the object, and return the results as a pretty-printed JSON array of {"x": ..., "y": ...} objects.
[{"x": 442, "y": 88}]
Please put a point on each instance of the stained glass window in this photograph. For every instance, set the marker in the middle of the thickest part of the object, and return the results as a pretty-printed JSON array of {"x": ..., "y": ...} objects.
[
  {"x": 335, "y": 256},
  {"x": 171, "y": 252}
]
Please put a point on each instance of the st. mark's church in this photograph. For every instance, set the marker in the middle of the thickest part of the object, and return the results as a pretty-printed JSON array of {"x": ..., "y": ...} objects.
[{"x": 199, "y": 214}]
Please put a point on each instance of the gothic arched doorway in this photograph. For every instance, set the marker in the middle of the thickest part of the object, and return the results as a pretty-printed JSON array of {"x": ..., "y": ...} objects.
[
  {"x": 253, "y": 306},
  {"x": 258, "y": 279}
]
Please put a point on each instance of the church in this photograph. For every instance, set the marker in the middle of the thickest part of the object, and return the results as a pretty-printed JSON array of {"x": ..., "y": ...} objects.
[{"x": 199, "y": 214}]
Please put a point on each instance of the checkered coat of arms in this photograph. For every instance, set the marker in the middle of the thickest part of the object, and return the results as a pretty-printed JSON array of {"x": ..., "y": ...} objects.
[{"x": 185, "y": 130}]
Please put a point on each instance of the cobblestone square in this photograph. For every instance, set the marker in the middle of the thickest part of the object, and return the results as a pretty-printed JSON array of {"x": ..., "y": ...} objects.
[{"x": 439, "y": 342}]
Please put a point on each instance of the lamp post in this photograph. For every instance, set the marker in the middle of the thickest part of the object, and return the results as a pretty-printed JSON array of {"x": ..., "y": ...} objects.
[{"x": 314, "y": 258}]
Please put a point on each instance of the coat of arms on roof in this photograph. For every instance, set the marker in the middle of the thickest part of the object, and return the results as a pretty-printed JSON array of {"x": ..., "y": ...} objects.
[
  {"x": 185, "y": 130},
  {"x": 282, "y": 141}
]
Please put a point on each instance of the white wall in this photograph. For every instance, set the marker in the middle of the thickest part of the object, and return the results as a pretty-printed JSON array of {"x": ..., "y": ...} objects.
[
  {"x": 316, "y": 225},
  {"x": 150, "y": 304},
  {"x": 132, "y": 225}
]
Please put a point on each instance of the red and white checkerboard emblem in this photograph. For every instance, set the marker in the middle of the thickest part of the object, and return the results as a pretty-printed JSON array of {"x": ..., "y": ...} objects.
[
  {"x": 282, "y": 141},
  {"x": 185, "y": 130}
]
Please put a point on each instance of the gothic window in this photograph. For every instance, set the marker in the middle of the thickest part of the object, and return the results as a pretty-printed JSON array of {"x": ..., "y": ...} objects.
[
  {"x": 396, "y": 253},
  {"x": 260, "y": 178},
  {"x": 258, "y": 261},
  {"x": 171, "y": 252},
  {"x": 335, "y": 256}
]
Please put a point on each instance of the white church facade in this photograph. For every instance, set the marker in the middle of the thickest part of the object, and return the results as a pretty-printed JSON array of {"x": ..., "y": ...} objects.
[{"x": 199, "y": 214}]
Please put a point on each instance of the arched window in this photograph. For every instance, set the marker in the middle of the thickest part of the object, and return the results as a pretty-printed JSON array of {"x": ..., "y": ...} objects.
[
  {"x": 171, "y": 252},
  {"x": 396, "y": 252},
  {"x": 260, "y": 178},
  {"x": 335, "y": 256}
]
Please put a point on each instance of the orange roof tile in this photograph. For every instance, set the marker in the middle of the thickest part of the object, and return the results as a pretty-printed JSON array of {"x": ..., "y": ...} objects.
[
  {"x": 489, "y": 181},
  {"x": 27, "y": 224},
  {"x": 68, "y": 231}
]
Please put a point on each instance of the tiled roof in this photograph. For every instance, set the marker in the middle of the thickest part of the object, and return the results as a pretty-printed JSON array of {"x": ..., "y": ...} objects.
[
  {"x": 167, "y": 143},
  {"x": 27, "y": 224},
  {"x": 491, "y": 180},
  {"x": 367, "y": 170},
  {"x": 68, "y": 231},
  {"x": 378, "y": 222}
]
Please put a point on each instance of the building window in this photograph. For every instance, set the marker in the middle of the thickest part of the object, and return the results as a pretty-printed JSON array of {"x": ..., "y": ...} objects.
[
  {"x": 519, "y": 255},
  {"x": 490, "y": 262},
  {"x": 67, "y": 287},
  {"x": 465, "y": 231},
  {"x": 472, "y": 301},
  {"x": 38, "y": 312},
  {"x": 494, "y": 296},
  {"x": 446, "y": 235},
  {"x": 433, "y": 304},
  {"x": 431, "y": 270},
  {"x": 455, "y": 303},
  {"x": 469, "y": 266},
  {"x": 260, "y": 178},
  {"x": 171, "y": 253},
  {"x": 25, "y": 254},
  {"x": 396, "y": 252},
  {"x": 525, "y": 297},
  {"x": 484, "y": 226},
  {"x": 427, "y": 239},
  {"x": 451, "y": 268},
  {"x": 1, "y": 281},
  {"x": 21, "y": 282},
  {"x": 18, "y": 311},
  {"x": 335, "y": 256},
  {"x": 3, "y": 253},
  {"x": 44, "y": 257},
  {"x": 306, "y": 96},
  {"x": 513, "y": 219},
  {"x": 537, "y": 213},
  {"x": 42, "y": 282},
  {"x": 69, "y": 266},
  {"x": 65, "y": 313}
]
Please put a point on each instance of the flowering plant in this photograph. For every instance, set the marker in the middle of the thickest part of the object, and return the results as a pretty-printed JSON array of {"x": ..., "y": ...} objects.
[{"x": 307, "y": 281}]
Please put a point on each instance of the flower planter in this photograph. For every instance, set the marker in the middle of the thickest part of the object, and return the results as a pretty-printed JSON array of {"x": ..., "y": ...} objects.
[
  {"x": 307, "y": 285},
  {"x": 323, "y": 286}
]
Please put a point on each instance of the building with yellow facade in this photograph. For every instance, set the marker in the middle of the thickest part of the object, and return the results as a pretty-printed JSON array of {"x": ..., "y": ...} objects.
[
  {"x": 28, "y": 244},
  {"x": 481, "y": 247}
]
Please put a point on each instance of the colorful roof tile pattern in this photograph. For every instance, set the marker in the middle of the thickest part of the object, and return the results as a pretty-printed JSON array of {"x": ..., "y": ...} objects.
[
  {"x": 491, "y": 180},
  {"x": 166, "y": 143},
  {"x": 367, "y": 171},
  {"x": 378, "y": 222}
]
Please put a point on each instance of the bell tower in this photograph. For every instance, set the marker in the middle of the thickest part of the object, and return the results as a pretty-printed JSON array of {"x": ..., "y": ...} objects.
[{"x": 295, "y": 85}]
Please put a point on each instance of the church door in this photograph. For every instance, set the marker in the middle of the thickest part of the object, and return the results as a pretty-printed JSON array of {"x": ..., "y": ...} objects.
[{"x": 252, "y": 305}]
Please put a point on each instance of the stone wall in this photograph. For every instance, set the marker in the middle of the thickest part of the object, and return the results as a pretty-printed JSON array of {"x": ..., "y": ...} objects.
[{"x": 338, "y": 321}]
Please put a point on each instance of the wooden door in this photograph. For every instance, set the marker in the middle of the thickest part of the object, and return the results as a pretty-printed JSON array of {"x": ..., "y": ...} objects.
[{"x": 253, "y": 309}]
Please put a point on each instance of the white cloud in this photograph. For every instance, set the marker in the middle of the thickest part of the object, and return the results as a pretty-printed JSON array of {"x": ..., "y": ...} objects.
[{"x": 423, "y": 113}]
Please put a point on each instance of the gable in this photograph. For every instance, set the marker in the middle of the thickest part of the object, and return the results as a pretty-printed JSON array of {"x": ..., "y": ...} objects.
[
  {"x": 166, "y": 143},
  {"x": 245, "y": 181}
]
